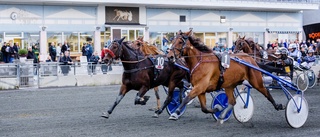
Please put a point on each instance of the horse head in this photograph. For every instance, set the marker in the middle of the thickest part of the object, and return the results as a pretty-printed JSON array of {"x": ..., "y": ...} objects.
[
  {"x": 114, "y": 51},
  {"x": 241, "y": 45},
  {"x": 129, "y": 16},
  {"x": 180, "y": 42}
]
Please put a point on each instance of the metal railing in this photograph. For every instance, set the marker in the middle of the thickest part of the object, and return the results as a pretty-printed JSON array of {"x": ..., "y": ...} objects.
[{"x": 29, "y": 74}]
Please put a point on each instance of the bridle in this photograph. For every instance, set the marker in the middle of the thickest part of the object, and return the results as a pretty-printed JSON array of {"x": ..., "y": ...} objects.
[{"x": 184, "y": 45}]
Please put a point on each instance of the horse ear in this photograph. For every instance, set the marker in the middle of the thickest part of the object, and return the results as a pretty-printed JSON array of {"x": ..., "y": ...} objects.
[
  {"x": 121, "y": 40},
  {"x": 239, "y": 37},
  {"x": 179, "y": 32},
  {"x": 189, "y": 33},
  {"x": 244, "y": 37}
]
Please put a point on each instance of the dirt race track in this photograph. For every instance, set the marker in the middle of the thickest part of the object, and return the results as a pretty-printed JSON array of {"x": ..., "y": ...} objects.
[{"x": 75, "y": 111}]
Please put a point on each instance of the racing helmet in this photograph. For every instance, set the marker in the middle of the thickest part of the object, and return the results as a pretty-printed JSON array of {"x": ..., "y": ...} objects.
[
  {"x": 292, "y": 46},
  {"x": 310, "y": 51},
  {"x": 282, "y": 51}
]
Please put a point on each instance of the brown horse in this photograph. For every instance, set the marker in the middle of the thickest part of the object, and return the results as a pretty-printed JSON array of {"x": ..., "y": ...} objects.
[
  {"x": 149, "y": 50},
  {"x": 205, "y": 74},
  {"x": 140, "y": 74},
  {"x": 264, "y": 62}
]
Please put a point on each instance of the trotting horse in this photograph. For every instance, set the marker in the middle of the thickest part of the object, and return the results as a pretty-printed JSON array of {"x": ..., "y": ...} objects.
[
  {"x": 205, "y": 74},
  {"x": 254, "y": 50},
  {"x": 140, "y": 74},
  {"x": 148, "y": 50}
]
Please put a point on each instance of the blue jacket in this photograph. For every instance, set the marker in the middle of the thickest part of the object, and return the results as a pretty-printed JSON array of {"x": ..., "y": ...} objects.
[
  {"x": 89, "y": 50},
  {"x": 309, "y": 58}
]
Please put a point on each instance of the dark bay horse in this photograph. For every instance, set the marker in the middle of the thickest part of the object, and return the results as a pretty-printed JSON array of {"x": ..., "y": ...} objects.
[
  {"x": 149, "y": 50},
  {"x": 140, "y": 74},
  {"x": 205, "y": 74}
]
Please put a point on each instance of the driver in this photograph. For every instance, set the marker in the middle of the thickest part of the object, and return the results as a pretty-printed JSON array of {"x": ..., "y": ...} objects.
[
  {"x": 308, "y": 60},
  {"x": 294, "y": 52}
]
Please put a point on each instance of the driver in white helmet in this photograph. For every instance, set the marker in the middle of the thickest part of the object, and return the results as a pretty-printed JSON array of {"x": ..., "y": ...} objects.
[{"x": 294, "y": 52}]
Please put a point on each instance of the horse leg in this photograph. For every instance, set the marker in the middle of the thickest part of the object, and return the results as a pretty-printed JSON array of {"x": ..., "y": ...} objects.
[
  {"x": 231, "y": 103},
  {"x": 257, "y": 83},
  {"x": 156, "y": 92},
  {"x": 189, "y": 97},
  {"x": 140, "y": 98},
  {"x": 123, "y": 91}
]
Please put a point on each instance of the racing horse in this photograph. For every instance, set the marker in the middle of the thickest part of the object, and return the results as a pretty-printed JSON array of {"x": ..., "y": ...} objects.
[
  {"x": 149, "y": 51},
  {"x": 206, "y": 74},
  {"x": 139, "y": 74},
  {"x": 268, "y": 62}
]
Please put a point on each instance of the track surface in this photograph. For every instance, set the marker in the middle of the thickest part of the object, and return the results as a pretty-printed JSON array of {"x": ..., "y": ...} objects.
[{"x": 75, "y": 111}]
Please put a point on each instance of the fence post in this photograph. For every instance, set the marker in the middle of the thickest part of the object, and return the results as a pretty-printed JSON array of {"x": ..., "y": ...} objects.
[{"x": 18, "y": 74}]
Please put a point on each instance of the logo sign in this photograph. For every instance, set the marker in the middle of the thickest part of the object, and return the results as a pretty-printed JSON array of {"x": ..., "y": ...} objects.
[
  {"x": 312, "y": 31},
  {"x": 159, "y": 62},
  {"x": 122, "y": 15}
]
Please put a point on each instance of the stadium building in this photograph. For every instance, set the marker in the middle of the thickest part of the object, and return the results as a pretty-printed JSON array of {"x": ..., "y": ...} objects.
[{"x": 214, "y": 21}]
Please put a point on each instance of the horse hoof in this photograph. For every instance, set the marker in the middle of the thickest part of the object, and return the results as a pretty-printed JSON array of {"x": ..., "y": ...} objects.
[
  {"x": 155, "y": 116},
  {"x": 173, "y": 116},
  {"x": 218, "y": 107},
  {"x": 220, "y": 121},
  {"x": 105, "y": 115},
  {"x": 159, "y": 111}
]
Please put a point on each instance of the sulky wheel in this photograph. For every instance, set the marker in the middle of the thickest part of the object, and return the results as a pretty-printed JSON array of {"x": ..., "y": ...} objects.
[
  {"x": 220, "y": 99},
  {"x": 240, "y": 111},
  {"x": 312, "y": 78},
  {"x": 175, "y": 103},
  {"x": 302, "y": 82},
  {"x": 294, "y": 117}
]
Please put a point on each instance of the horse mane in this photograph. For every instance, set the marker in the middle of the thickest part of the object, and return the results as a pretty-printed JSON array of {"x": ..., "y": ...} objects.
[
  {"x": 150, "y": 49},
  {"x": 198, "y": 44}
]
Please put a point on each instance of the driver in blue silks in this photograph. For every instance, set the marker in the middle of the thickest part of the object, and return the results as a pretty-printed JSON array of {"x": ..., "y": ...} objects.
[{"x": 308, "y": 60}]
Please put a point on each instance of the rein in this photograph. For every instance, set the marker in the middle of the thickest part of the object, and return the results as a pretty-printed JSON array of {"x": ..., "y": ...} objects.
[{"x": 132, "y": 62}]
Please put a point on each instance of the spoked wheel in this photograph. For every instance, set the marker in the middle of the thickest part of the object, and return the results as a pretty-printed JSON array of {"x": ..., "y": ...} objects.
[
  {"x": 241, "y": 112},
  {"x": 312, "y": 78},
  {"x": 220, "y": 99},
  {"x": 294, "y": 117},
  {"x": 302, "y": 82},
  {"x": 175, "y": 103}
]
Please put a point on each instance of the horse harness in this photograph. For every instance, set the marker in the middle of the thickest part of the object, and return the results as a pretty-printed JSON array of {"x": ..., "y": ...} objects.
[{"x": 221, "y": 68}]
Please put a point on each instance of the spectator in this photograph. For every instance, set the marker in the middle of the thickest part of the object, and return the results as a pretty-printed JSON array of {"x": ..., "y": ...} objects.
[
  {"x": 48, "y": 59},
  {"x": 83, "y": 50},
  {"x": 165, "y": 47},
  {"x": 11, "y": 53},
  {"x": 94, "y": 59},
  {"x": 58, "y": 51},
  {"x": 4, "y": 53},
  {"x": 16, "y": 49},
  {"x": 30, "y": 53},
  {"x": 53, "y": 51},
  {"x": 89, "y": 51},
  {"x": 65, "y": 47},
  {"x": 36, "y": 54},
  {"x": 269, "y": 45},
  {"x": 65, "y": 61},
  {"x": 164, "y": 40}
]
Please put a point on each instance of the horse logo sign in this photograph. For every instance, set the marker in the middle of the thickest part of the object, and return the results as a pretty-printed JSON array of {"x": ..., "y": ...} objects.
[{"x": 124, "y": 15}]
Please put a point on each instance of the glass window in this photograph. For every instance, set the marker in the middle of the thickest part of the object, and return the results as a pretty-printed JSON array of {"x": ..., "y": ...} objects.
[
  {"x": 124, "y": 33},
  {"x": 155, "y": 38},
  {"x": 131, "y": 35},
  {"x": 72, "y": 39},
  {"x": 139, "y": 33},
  {"x": 199, "y": 35},
  {"x": 31, "y": 39},
  {"x": 210, "y": 39},
  {"x": 1, "y": 39},
  {"x": 54, "y": 37},
  {"x": 83, "y": 39},
  {"x": 223, "y": 38}
]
